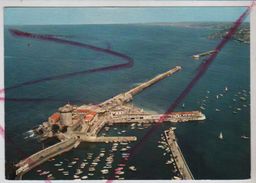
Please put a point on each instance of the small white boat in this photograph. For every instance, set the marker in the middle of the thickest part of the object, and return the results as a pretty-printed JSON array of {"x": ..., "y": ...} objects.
[
  {"x": 73, "y": 162},
  {"x": 78, "y": 171},
  {"x": 217, "y": 110},
  {"x": 91, "y": 169},
  {"x": 177, "y": 178},
  {"x": 44, "y": 173},
  {"x": 123, "y": 149},
  {"x": 221, "y": 136},
  {"x": 217, "y": 96},
  {"x": 76, "y": 176},
  {"x": 133, "y": 168},
  {"x": 84, "y": 177},
  {"x": 201, "y": 107},
  {"x": 226, "y": 88},
  {"x": 168, "y": 162},
  {"x": 82, "y": 164},
  {"x": 57, "y": 164},
  {"x": 119, "y": 172},
  {"x": 133, "y": 124},
  {"x": 243, "y": 98},
  {"x": 104, "y": 171},
  {"x": 244, "y": 137}
]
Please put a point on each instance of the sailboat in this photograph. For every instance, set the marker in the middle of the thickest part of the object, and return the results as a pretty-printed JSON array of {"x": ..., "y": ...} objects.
[{"x": 221, "y": 136}]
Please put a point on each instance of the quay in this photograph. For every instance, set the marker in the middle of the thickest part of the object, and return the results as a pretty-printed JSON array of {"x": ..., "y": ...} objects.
[
  {"x": 40, "y": 157},
  {"x": 73, "y": 124},
  {"x": 179, "y": 160},
  {"x": 87, "y": 138},
  {"x": 174, "y": 117},
  {"x": 197, "y": 56}
]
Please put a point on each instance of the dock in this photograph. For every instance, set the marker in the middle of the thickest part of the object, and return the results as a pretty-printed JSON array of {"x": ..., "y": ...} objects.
[
  {"x": 197, "y": 56},
  {"x": 174, "y": 117},
  {"x": 180, "y": 162},
  {"x": 86, "y": 138}
]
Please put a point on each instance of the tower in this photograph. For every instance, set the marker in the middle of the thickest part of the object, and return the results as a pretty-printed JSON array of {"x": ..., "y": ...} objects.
[{"x": 66, "y": 115}]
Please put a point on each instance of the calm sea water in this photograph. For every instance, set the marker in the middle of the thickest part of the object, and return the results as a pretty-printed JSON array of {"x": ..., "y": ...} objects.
[{"x": 155, "y": 49}]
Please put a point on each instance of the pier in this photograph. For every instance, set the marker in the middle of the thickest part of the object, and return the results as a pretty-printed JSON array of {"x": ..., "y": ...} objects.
[
  {"x": 84, "y": 123},
  {"x": 177, "y": 155},
  {"x": 174, "y": 117},
  {"x": 197, "y": 56},
  {"x": 40, "y": 157},
  {"x": 86, "y": 138}
]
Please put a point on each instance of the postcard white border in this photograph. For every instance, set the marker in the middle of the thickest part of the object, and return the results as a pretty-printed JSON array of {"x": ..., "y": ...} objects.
[{"x": 138, "y": 3}]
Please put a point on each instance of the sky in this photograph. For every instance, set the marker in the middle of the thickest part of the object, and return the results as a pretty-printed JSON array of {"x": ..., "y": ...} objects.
[{"x": 46, "y": 16}]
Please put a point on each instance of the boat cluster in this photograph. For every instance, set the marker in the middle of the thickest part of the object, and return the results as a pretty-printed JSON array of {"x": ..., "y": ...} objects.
[
  {"x": 239, "y": 101},
  {"x": 241, "y": 96},
  {"x": 90, "y": 162}
]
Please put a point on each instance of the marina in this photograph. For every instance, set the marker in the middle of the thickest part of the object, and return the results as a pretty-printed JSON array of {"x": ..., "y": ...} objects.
[{"x": 83, "y": 123}]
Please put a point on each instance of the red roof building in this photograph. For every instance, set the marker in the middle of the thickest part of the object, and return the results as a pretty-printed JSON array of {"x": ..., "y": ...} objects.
[{"x": 54, "y": 118}]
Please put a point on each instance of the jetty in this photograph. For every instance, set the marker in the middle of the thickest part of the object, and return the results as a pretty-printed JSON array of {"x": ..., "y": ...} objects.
[
  {"x": 73, "y": 124},
  {"x": 179, "y": 160},
  {"x": 197, "y": 56}
]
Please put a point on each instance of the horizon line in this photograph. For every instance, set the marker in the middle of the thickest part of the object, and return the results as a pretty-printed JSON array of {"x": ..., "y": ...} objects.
[{"x": 126, "y": 23}]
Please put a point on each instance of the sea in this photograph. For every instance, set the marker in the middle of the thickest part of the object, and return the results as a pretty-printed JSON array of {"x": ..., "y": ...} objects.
[{"x": 155, "y": 48}]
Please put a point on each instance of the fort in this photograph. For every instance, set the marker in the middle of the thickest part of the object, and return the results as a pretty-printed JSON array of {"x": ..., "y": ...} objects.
[{"x": 73, "y": 124}]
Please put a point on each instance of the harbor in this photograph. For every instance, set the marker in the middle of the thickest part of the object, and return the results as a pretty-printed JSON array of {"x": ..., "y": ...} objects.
[{"x": 73, "y": 124}]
